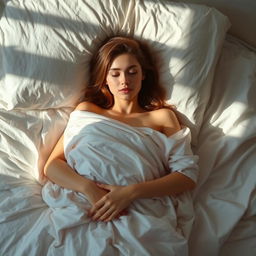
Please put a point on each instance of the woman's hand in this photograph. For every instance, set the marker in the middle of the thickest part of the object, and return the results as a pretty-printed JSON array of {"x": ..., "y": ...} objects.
[
  {"x": 95, "y": 193},
  {"x": 112, "y": 204}
]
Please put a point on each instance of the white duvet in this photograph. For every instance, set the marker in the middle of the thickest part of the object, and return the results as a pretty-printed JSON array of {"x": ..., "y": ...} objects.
[
  {"x": 111, "y": 152},
  {"x": 45, "y": 47},
  {"x": 224, "y": 200}
]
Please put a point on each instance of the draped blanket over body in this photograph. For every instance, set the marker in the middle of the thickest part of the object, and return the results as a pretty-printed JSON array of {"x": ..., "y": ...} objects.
[{"x": 111, "y": 152}]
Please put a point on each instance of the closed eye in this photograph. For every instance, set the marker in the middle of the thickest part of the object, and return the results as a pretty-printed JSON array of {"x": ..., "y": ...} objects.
[
  {"x": 132, "y": 71},
  {"x": 115, "y": 74}
]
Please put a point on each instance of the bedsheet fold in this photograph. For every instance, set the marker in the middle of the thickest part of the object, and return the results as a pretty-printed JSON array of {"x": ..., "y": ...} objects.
[{"x": 111, "y": 152}]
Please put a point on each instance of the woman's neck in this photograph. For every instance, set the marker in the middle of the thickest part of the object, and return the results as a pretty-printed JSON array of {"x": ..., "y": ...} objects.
[{"x": 126, "y": 108}]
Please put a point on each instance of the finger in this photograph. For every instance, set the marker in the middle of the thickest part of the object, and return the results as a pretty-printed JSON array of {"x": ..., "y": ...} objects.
[
  {"x": 96, "y": 207},
  {"x": 104, "y": 186},
  {"x": 101, "y": 212},
  {"x": 100, "y": 203},
  {"x": 113, "y": 216},
  {"x": 106, "y": 215}
]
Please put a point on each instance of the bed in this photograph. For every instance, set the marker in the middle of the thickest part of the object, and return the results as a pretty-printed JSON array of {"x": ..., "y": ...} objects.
[{"x": 207, "y": 63}]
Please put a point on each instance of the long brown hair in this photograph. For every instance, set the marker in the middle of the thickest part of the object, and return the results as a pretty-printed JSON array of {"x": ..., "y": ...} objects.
[{"x": 151, "y": 95}]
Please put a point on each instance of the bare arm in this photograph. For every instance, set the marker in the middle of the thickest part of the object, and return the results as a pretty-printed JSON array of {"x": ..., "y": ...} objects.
[
  {"x": 59, "y": 172},
  {"x": 120, "y": 197},
  {"x": 171, "y": 184}
]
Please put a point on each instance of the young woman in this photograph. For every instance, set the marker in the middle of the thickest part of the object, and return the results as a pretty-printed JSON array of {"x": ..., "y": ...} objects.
[{"x": 124, "y": 87}]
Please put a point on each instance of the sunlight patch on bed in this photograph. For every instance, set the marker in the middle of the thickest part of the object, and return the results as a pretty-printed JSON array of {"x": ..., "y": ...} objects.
[
  {"x": 42, "y": 17},
  {"x": 232, "y": 120}
]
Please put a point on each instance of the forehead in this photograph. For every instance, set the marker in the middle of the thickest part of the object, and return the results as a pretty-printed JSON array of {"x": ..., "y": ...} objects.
[{"x": 124, "y": 61}]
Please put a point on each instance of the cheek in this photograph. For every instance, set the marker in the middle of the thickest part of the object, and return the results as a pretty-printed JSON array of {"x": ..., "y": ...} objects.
[
  {"x": 139, "y": 82},
  {"x": 107, "y": 80},
  {"x": 110, "y": 81},
  {"x": 111, "y": 85}
]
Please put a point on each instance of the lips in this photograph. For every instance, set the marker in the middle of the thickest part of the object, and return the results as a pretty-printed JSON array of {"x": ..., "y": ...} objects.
[{"x": 125, "y": 90}]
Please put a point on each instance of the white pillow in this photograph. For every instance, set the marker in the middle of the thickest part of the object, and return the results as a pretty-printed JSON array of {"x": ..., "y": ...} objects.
[
  {"x": 188, "y": 39},
  {"x": 46, "y": 47}
]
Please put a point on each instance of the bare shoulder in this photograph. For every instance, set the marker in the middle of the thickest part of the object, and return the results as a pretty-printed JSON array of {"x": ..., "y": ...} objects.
[
  {"x": 88, "y": 106},
  {"x": 168, "y": 121}
]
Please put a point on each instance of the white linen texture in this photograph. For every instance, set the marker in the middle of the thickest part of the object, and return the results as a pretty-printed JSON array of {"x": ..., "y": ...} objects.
[
  {"x": 46, "y": 48},
  {"x": 108, "y": 151}
]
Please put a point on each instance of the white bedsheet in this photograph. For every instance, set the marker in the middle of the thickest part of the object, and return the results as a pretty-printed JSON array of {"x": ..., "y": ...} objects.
[
  {"x": 111, "y": 152},
  {"x": 225, "y": 197}
]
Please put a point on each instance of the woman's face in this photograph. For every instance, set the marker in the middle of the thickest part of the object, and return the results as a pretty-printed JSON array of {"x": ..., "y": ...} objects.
[{"x": 124, "y": 77}]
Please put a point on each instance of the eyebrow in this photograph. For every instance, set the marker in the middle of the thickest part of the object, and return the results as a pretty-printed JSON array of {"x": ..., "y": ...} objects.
[{"x": 132, "y": 66}]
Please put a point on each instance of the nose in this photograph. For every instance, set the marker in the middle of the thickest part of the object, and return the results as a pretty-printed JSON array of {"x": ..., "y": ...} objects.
[{"x": 124, "y": 79}]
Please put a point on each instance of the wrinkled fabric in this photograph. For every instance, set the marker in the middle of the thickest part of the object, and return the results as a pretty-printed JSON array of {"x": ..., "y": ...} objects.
[{"x": 108, "y": 151}]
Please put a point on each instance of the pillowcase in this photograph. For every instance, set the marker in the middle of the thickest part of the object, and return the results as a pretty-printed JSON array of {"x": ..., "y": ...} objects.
[
  {"x": 188, "y": 40},
  {"x": 46, "y": 48}
]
